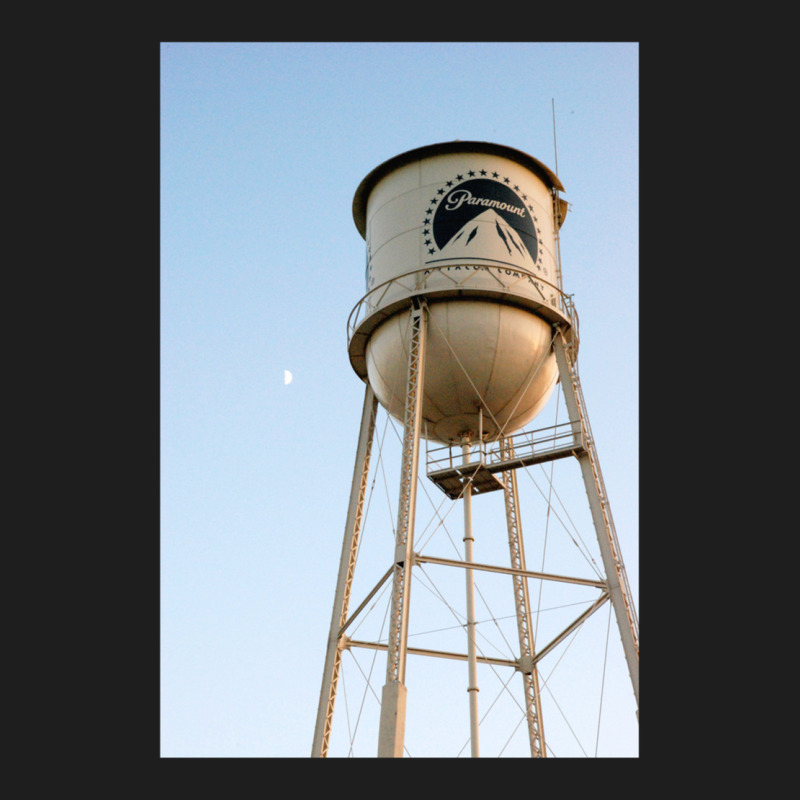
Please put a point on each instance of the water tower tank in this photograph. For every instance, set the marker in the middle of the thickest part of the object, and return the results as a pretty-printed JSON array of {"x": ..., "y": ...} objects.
[{"x": 472, "y": 228}]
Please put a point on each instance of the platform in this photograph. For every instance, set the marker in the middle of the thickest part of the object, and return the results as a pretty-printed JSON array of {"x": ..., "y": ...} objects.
[
  {"x": 451, "y": 480},
  {"x": 488, "y": 460}
]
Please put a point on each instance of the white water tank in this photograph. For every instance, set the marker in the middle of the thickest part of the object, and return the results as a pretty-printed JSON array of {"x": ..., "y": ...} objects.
[{"x": 471, "y": 227}]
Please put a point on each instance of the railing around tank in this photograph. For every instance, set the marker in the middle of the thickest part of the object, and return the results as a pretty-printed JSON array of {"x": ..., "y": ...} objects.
[{"x": 460, "y": 279}]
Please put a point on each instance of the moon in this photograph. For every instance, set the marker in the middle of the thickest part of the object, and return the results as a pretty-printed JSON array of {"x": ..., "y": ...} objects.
[{"x": 287, "y": 377}]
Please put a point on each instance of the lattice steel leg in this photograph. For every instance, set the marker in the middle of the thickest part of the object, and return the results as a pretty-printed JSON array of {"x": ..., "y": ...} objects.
[
  {"x": 530, "y": 675},
  {"x": 615, "y": 575},
  {"x": 347, "y": 564},
  {"x": 393, "y": 701}
]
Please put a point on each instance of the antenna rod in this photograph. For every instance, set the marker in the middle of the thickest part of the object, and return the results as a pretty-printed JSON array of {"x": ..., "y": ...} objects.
[{"x": 555, "y": 149}]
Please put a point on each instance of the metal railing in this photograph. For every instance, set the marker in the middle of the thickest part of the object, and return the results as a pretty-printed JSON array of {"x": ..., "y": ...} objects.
[
  {"x": 458, "y": 279},
  {"x": 454, "y": 456},
  {"x": 526, "y": 446}
]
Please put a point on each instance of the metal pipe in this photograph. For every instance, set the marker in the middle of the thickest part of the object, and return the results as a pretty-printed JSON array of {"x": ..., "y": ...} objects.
[
  {"x": 525, "y": 573},
  {"x": 472, "y": 688}
]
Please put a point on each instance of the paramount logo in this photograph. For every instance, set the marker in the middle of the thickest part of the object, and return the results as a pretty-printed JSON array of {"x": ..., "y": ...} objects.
[{"x": 481, "y": 214}]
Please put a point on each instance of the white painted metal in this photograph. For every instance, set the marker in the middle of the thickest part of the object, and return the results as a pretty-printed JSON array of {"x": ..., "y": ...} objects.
[
  {"x": 480, "y": 356},
  {"x": 465, "y": 329},
  {"x": 347, "y": 565},
  {"x": 410, "y": 209},
  {"x": 392, "y": 721},
  {"x": 471, "y": 215},
  {"x": 613, "y": 564},
  {"x": 530, "y": 673},
  {"x": 469, "y": 557}
]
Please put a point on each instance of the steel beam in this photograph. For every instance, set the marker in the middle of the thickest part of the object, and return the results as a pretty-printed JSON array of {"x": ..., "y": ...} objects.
[
  {"x": 613, "y": 565},
  {"x": 393, "y": 703},
  {"x": 530, "y": 677},
  {"x": 347, "y": 565}
]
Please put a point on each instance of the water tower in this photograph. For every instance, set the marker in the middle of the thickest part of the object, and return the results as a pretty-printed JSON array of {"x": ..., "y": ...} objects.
[{"x": 462, "y": 336}]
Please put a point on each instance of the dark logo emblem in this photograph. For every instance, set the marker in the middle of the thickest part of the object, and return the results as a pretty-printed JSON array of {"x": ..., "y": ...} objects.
[{"x": 473, "y": 212}]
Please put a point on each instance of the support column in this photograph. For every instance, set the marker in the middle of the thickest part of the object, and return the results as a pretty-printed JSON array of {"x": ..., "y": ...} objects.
[
  {"x": 601, "y": 515},
  {"x": 393, "y": 702},
  {"x": 347, "y": 564},
  {"x": 469, "y": 558},
  {"x": 530, "y": 674}
]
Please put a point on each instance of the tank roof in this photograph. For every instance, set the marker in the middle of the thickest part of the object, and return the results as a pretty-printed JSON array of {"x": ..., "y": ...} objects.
[{"x": 456, "y": 146}]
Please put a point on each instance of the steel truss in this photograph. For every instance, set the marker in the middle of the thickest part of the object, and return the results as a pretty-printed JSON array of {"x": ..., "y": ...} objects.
[
  {"x": 493, "y": 470},
  {"x": 530, "y": 675},
  {"x": 347, "y": 565}
]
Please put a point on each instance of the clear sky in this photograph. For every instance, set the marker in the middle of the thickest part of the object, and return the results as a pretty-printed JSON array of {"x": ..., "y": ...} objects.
[{"x": 262, "y": 148}]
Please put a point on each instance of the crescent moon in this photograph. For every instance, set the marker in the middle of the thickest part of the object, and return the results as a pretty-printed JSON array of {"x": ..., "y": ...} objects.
[{"x": 287, "y": 377}]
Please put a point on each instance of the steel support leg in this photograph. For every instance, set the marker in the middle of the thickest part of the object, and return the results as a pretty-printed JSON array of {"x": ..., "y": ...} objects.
[
  {"x": 530, "y": 674},
  {"x": 347, "y": 564},
  {"x": 393, "y": 702},
  {"x": 616, "y": 577}
]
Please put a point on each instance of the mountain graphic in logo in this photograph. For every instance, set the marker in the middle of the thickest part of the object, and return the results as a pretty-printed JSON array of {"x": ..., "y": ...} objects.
[
  {"x": 482, "y": 212},
  {"x": 488, "y": 233}
]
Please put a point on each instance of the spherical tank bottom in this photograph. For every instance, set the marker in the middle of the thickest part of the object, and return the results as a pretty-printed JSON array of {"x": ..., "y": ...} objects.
[{"x": 488, "y": 367}]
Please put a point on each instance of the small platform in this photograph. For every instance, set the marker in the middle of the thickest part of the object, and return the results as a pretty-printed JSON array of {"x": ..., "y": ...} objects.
[
  {"x": 485, "y": 464},
  {"x": 452, "y": 480}
]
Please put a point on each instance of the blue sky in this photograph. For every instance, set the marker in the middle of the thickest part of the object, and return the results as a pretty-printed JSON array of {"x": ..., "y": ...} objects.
[{"x": 262, "y": 148}]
